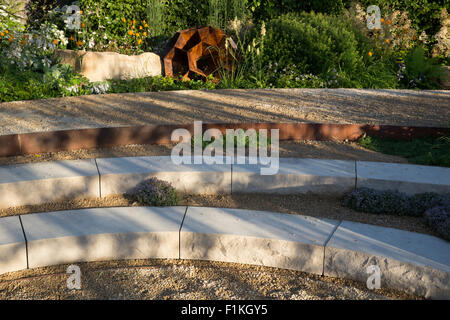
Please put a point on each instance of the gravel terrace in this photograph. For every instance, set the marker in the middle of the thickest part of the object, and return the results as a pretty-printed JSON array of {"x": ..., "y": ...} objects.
[
  {"x": 183, "y": 279},
  {"x": 345, "y": 106}
]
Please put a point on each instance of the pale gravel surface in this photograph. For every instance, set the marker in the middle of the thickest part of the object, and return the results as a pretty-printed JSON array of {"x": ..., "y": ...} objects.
[
  {"x": 297, "y": 149},
  {"x": 181, "y": 280},
  {"x": 391, "y": 107}
]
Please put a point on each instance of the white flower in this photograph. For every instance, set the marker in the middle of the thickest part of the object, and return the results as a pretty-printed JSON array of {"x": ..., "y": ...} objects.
[
  {"x": 91, "y": 43},
  {"x": 72, "y": 89},
  {"x": 100, "y": 88}
]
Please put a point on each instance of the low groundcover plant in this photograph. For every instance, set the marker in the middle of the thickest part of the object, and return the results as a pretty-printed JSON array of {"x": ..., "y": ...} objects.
[
  {"x": 438, "y": 218},
  {"x": 434, "y": 207},
  {"x": 154, "y": 192}
]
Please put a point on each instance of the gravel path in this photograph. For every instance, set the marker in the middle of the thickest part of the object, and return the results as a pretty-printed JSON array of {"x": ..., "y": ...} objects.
[
  {"x": 391, "y": 107},
  {"x": 180, "y": 279}
]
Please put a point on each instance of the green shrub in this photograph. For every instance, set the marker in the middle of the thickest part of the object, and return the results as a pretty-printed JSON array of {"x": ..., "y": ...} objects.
[
  {"x": 159, "y": 83},
  {"x": 425, "y": 151},
  {"x": 269, "y": 9},
  {"x": 328, "y": 47},
  {"x": 183, "y": 14},
  {"x": 222, "y": 11},
  {"x": 56, "y": 81},
  {"x": 311, "y": 41},
  {"x": 421, "y": 72}
]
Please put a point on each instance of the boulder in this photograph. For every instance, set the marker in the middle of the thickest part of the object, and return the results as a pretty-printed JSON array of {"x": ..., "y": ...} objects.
[
  {"x": 100, "y": 66},
  {"x": 70, "y": 57}
]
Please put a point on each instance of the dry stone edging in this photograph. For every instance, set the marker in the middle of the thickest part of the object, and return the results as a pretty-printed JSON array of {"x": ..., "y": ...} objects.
[
  {"x": 38, "y": 183},
  {"x": 416, "y": 263}
]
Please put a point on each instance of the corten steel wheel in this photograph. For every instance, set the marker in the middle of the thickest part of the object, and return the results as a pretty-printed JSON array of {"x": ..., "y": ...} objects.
[{"x": 197, "y": 51}]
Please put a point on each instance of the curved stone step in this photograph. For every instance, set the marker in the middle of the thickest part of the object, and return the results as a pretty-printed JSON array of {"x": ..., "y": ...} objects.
[
  {"x": 409, "y": 261},
  {"x": 13, "y": 255},
  {"x": 102, "y": 234},
  {"x": 38, "y": 183},
  {"x": 296, "y": 176},
  {"x": 406, "y": 178},
  {"x": 119, "y": 175},
  {"x": 255, "y": 237}
]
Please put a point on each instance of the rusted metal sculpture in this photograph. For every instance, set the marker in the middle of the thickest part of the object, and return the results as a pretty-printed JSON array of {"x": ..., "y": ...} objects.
[{"x": 197, "y": 51}]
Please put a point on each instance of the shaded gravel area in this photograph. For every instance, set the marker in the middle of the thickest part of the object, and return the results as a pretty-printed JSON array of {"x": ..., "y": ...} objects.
[
  {"x": 391, "y": 107},
  {"x": 182, "y": 279},
  {"x": 314, "y": 205},
  {"x": 297, "y": 149}
]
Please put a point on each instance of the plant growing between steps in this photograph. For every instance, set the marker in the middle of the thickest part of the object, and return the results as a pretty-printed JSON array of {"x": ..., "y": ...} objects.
[
  {"x": 435, "y": 208},
  {"x": 438, "y": 218},
  {"x": 154, "y": 192}
]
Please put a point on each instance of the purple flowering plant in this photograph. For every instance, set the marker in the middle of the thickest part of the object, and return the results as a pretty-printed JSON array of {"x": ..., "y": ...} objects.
[{"x": 154, "y": 192}]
